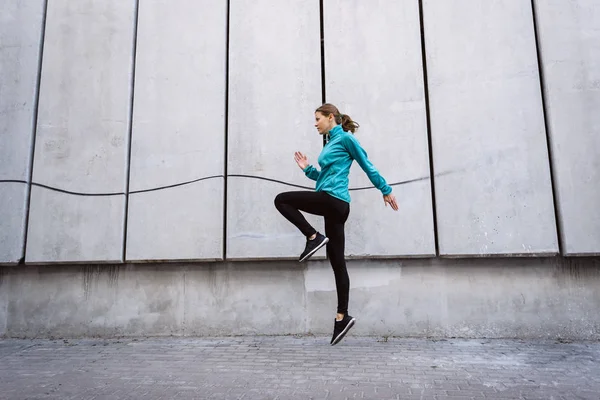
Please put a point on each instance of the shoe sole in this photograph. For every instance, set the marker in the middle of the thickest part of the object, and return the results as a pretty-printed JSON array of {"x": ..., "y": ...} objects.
[
  {"x": 323, "y": 243},
  {"x": 343, "y": 333}
]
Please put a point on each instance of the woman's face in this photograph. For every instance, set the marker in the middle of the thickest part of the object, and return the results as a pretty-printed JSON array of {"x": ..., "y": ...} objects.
[{"x": 322, "y": 123}]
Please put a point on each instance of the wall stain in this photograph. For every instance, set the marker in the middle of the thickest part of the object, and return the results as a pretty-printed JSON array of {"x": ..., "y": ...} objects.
[
  {"x": 92, "y": 273},
  {"x": 218, "y": 281},
  {"x": 578, "y": 268}
]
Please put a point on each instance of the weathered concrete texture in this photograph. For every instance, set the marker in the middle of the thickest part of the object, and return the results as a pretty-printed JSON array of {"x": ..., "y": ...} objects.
[
  {"x": 272, "y": 99},
  {"x": 487, "y": 128},
  {"x": 20, "y": 35},
  {"x": 517, "y": 297},
  {"x": 569, "y": 41},
  {"x": 181, "y": 222},
  {"x": 178, "y": 131},
  {"x": 494, "y": 298},
  {"x": 12, "y": 221},
  {"x": 137, "y": 300},
  {"x": 81, "y": 143},
  {"x": 374, "y": 74},
  {"x": 244, "y": 299},
  {"x": 65, "y": 228},
  {"x": 95, "y": 301},
  {"x": 3, "y": 301},
  {"x": 374, "y": 230}
]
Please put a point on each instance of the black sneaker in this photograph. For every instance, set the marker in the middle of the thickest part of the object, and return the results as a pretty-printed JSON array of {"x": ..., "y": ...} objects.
[
  {"x": 312, "y": 246},
  {"x": 340, "y": 328}
]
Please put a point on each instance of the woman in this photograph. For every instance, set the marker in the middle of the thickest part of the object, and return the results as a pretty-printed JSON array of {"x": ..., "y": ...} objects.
[{"x": 332, "y": 200}]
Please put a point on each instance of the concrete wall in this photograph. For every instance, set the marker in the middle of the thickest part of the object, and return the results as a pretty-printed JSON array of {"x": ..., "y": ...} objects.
[
  {"x": 274, "y": 88},
  {"x": 570, "y": 59},
  {"x": 178, "y": 132},
  {"x": 82, "y": 133},
  {"x": 487, "y": 127},
  {"x": 169, "y": 139},
  {"x": 20, "y": 40},
  {"x": 524, "y": 298},
  {"x": 375, "y": 75},
  {"x": 165, "y": 130}
]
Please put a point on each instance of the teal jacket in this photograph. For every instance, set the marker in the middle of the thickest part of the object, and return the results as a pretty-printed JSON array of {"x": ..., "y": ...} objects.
[{"x": 335, "y": 161}]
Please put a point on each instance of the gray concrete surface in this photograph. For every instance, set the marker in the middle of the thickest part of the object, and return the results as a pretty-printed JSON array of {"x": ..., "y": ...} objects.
[
  {"x": 178, "y": 131},
  {"x": 374, "y": 73},
  {"x": 20, "y": 37},
  {"x": 487, "y": 128},
  {"x": 494, "y": 298},
  {"x": 184, "y": 222},
  {"x": 299, "y": 368},
  {"x": 274, "y": 88},
  {"x": 13, "y": 197},
  {"x": 70, "y": 228},
  {"x": 3, "y": 302},
  {"x": 570, "y": 55},
  {"x": 82, "y": 133}
]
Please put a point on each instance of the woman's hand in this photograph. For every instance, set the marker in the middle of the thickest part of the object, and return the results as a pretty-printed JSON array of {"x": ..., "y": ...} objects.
[
  {"x": 301, "y": 160},
  {"x": 391, "y": 200}
]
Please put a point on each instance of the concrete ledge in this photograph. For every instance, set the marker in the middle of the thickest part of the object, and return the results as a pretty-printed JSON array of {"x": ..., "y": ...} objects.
[{"x": 467, "y": 298}]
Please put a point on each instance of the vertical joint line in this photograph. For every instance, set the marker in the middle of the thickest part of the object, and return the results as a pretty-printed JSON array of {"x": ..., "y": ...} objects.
[
  {"x": 547, "y": 128},
  {"x": 226, "y": 140},
  {"x": 130, "y": 127},
  {"x": 428, "y": 121},
  {"x": 322, "y": 37},
  {"x": 34, "y": 130}
]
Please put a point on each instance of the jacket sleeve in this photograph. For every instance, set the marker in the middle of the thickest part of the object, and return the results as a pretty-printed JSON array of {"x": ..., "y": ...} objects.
[
  {"x": 360, "y": 155},
  {"x": 311, "y": 172}
]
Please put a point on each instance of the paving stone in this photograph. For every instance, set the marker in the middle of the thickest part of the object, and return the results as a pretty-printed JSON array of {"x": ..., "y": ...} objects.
[{"x": 297, "y": 368}]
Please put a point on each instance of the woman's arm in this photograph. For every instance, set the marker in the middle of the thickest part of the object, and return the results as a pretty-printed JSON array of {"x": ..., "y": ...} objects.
[
  {"x": 308, "y": 169},
  {"x": 312, "y": 173},
  {"x": 360, "y": 155}
]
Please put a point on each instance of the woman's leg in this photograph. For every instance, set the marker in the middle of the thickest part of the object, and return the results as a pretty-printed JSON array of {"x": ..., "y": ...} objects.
[
  {"x": 334, "y": 229},
  {"x": 290, "y": 204}
]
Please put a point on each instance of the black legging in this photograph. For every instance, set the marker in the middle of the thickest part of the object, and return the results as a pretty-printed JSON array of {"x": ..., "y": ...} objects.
[{"x": 336, "y": 213}]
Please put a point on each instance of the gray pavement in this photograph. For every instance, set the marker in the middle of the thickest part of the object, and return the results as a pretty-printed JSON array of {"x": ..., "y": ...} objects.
[{"x": 298, "y": 368}]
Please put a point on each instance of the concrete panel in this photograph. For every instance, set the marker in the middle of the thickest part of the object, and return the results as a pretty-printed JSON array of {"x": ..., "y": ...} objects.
[
  {"x": 383, "y": 90},
  {"x": 82, "y": 135},
  {"x": 12, "y": 221},
  {"x": 20, "y": 36},
  {"x": 487, "y": 126},
  {"x": 274, "y": 88},
  {"x": 193, "y": 214},
  {"x": 490, "y": 297},
  {"x": 95, "y": 301},
  {"x": 569, "y": 41},
  {"x": 178, "y": 131},
  {"x": 3, "y": 301},
  {"x": 70, "y": 228},
  {"x": 220, "y": 299},
  {"x": 167, "y": 299}
]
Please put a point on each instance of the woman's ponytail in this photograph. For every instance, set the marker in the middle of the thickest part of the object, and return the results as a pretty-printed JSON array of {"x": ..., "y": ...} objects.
[{"x": 347, "y": 124}]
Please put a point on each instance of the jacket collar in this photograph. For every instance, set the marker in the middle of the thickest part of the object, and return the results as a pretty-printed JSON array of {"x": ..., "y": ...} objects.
[{"x": 335, "y": 131}]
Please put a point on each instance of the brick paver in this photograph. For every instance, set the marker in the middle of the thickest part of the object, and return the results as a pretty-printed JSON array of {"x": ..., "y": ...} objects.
[{"x": 298, "y": 368}]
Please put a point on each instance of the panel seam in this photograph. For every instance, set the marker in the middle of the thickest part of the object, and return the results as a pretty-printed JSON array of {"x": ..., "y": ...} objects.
[{"x": 34, "y": 132}]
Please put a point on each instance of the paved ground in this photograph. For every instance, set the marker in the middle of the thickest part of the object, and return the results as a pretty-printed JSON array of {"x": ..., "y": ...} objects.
[{"x": 298, "y": 368}]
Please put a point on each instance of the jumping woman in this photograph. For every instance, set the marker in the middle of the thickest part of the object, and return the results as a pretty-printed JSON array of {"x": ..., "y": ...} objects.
[{"x": 331, "y": 199}]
